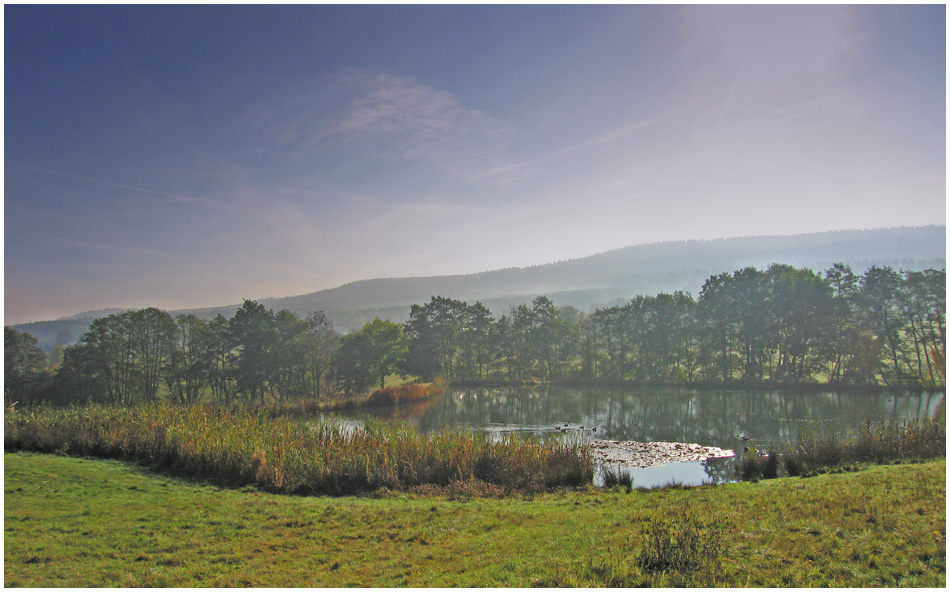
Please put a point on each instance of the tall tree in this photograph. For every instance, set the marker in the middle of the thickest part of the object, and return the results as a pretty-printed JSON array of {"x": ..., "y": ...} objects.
[
  {"x": 750, "y": 313},
  {"x": 521, "y": 360},
  {"x": 24, "y": 364},
  {"x": 842, "y": 330},
  {"x": 188, "y": 371},
  {"x": 684, "y": 335},
  {"x": 801, "y": 309},
  {"x": 716, "y": 313},
  {"x": 352, "y": 363},
  {"x": 923, "y": 309},
  {"x": 587, "y": 345},
  {"x": 222, "y": 360},
  {"x": 550, "y": 338},
  {"x": 290, "y": 356},
  {"x": 254, "y": 333},
  {"x": 321, "y": 342},
  {"x": 387, "y": 348},
  {"x": 610, "y": 326},
  {"x": 122, "y": 358},
  {"x": 151, "y": 335},
  {"x": 475, "y": 340},
  {"x": 879, "y": 299},
  {"x": 91, "y": 368},
  {"x": 433, "y": 333}
]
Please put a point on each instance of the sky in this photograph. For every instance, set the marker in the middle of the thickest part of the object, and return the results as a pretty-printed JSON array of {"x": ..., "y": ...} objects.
[{"x": 185, "y": 156}]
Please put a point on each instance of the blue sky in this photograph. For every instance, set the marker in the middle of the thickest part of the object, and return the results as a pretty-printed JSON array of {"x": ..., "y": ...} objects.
[{"x": 187, "y": 156}]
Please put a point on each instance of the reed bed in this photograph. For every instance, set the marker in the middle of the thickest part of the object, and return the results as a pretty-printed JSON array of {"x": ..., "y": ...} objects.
[
  {"x": 894, "y": 442},
  {"x": 238, "y": 447}
]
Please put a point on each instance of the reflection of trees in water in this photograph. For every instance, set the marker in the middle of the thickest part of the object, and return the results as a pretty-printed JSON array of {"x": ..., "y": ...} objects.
[
  {"x": 713, "y": 418},
  {"x": 405, "y": 412},
  {"x": 720, "y": 470},
  {"x": 516, "y": 406},
  {"x": 719, "y": 418}
]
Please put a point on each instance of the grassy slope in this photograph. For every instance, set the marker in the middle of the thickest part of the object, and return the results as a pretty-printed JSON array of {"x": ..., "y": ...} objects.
[{"x": 77, "y": 522}]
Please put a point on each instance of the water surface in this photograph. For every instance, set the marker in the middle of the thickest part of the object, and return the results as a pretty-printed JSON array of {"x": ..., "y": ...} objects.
[{"x": 727, "y": 419}]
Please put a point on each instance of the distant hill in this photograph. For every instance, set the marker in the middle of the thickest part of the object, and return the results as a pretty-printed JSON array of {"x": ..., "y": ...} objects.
[
  {"x": 599, "y": 280},
  {"x": 58, "y": 332},
  {"x": 621, "y": 274}
]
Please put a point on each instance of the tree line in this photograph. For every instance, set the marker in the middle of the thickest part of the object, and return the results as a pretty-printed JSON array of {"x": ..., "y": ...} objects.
[
  {"x": 783, "y": 325},
  {"x": 779, "y": 325}
]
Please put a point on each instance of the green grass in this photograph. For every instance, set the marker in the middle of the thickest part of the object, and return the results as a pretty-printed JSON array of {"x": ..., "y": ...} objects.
[{"x": 93, "y": 523}]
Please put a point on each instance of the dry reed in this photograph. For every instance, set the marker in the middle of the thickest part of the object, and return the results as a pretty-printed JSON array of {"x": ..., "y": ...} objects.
[{"x": 283, "y": 454}]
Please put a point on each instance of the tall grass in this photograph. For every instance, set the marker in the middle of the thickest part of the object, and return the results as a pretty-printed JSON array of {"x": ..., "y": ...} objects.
[
  {"x": 681, "y": 543},
  {"x": 282, "y": 454},
  {"x": 618, "y": 476},
  {"x": 893, "y": 442}
]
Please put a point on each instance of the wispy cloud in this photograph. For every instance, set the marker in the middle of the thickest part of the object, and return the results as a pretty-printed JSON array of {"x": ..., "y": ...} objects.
[
  {"x": 604, "y": 139},
  {"x": 828, "y": 111},
  {"x": 769, "y": 41},
  {"x": 169, "y": 197},
  {"x": 428, "y": 124},
  {"x": 388, "y": 116},
  {"x": 110, "y": 249}
]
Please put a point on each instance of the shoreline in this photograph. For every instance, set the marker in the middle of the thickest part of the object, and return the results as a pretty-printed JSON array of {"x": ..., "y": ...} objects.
[{"x": 704, "y": 385}]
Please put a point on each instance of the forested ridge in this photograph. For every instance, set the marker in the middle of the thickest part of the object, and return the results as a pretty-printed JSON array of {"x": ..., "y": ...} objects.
[
  {"x": 596, "y": 281},
  {"x": 781, "y": 325}
]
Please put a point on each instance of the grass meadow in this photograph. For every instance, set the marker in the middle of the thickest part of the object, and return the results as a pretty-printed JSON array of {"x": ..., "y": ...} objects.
[
  {"x": 78, "y": 522},
  {"x": 198, "y": 496}
]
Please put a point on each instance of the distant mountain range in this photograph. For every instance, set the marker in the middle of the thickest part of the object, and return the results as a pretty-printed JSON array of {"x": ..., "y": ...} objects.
[{"x": 586, "y": 283}]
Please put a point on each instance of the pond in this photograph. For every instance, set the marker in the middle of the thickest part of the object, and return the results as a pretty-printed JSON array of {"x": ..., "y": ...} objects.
[{"x": 729, "y": 420}]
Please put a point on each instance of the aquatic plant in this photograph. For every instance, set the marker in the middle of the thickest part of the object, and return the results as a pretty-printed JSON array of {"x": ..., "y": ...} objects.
[
  {"x": 877, "y": 443},
  {"x": 617, "y": 476},
  {"x": 749, "y": 466},
  {"x": 770, "y": 466},
  {"x": 901, "y": 441},
  {"x": 284, "y": 454}
]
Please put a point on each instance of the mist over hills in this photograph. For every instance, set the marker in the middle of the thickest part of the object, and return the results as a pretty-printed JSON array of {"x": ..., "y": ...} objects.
[{"x": 585, "y": 283}]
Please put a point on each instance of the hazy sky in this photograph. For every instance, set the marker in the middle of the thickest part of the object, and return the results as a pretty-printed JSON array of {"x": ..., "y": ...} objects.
[{"x": 185, "y": 156}]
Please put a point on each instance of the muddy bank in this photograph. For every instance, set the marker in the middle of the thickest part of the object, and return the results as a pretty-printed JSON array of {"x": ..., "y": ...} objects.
[{"x": 650, "y": 454}]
